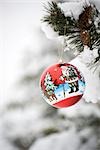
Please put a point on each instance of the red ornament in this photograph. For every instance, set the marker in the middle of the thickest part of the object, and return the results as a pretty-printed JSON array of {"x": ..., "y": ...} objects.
[{"x": 62, "y": 85}]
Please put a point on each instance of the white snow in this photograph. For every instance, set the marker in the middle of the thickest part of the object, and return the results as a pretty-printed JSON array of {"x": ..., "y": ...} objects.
[
  {"x": 71, "y": 8},
  {"x": 49, "y": 31},
  {"x": 67, "y": 140},
  {"x": 87, "y": 56}
]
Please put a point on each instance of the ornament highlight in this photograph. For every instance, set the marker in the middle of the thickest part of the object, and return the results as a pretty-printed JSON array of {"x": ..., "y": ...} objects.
[{"x": 62, "y": 85}]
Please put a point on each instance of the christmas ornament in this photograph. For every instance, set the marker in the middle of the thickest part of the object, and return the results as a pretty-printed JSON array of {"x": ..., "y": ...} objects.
[{"x": 62, "y": 85}]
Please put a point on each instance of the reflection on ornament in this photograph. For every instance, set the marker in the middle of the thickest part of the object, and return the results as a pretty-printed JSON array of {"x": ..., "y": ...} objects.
[{"x": 62, "y": 85}]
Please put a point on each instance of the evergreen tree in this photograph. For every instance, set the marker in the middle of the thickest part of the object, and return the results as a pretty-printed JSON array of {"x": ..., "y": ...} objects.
[{"x": 50, "y": 86}]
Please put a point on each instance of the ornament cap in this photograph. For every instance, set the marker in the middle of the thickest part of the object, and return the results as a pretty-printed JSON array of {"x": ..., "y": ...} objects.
[{"x": 60, "y": 61}]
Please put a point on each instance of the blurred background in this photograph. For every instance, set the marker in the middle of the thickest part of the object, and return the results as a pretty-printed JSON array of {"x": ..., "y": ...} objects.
[{"x": 26, "y": 121}]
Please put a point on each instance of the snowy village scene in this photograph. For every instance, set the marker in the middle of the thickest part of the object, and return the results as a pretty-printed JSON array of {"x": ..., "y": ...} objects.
[{"x": 50, "y": 75}]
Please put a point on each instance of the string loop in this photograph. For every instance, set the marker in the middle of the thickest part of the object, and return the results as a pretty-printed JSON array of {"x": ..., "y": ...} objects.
[{"x": 61, "y": 51}]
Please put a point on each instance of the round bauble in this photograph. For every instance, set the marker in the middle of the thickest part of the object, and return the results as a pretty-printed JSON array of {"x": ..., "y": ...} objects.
[{"x": 62, "y": 85}]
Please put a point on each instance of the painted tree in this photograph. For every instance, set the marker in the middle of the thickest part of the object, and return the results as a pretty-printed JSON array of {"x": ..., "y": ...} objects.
[{"x": 49, "y": 85}]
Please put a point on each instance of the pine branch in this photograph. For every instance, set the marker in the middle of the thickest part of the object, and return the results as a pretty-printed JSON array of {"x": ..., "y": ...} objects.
[
  {"x": 55, "y": 18},
  {"x": 59, "y": 22},
  {"x": 84, "y": 31}
]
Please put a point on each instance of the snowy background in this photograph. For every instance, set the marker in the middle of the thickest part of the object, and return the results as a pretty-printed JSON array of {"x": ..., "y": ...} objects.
[{"x": 26, "y": 121}]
